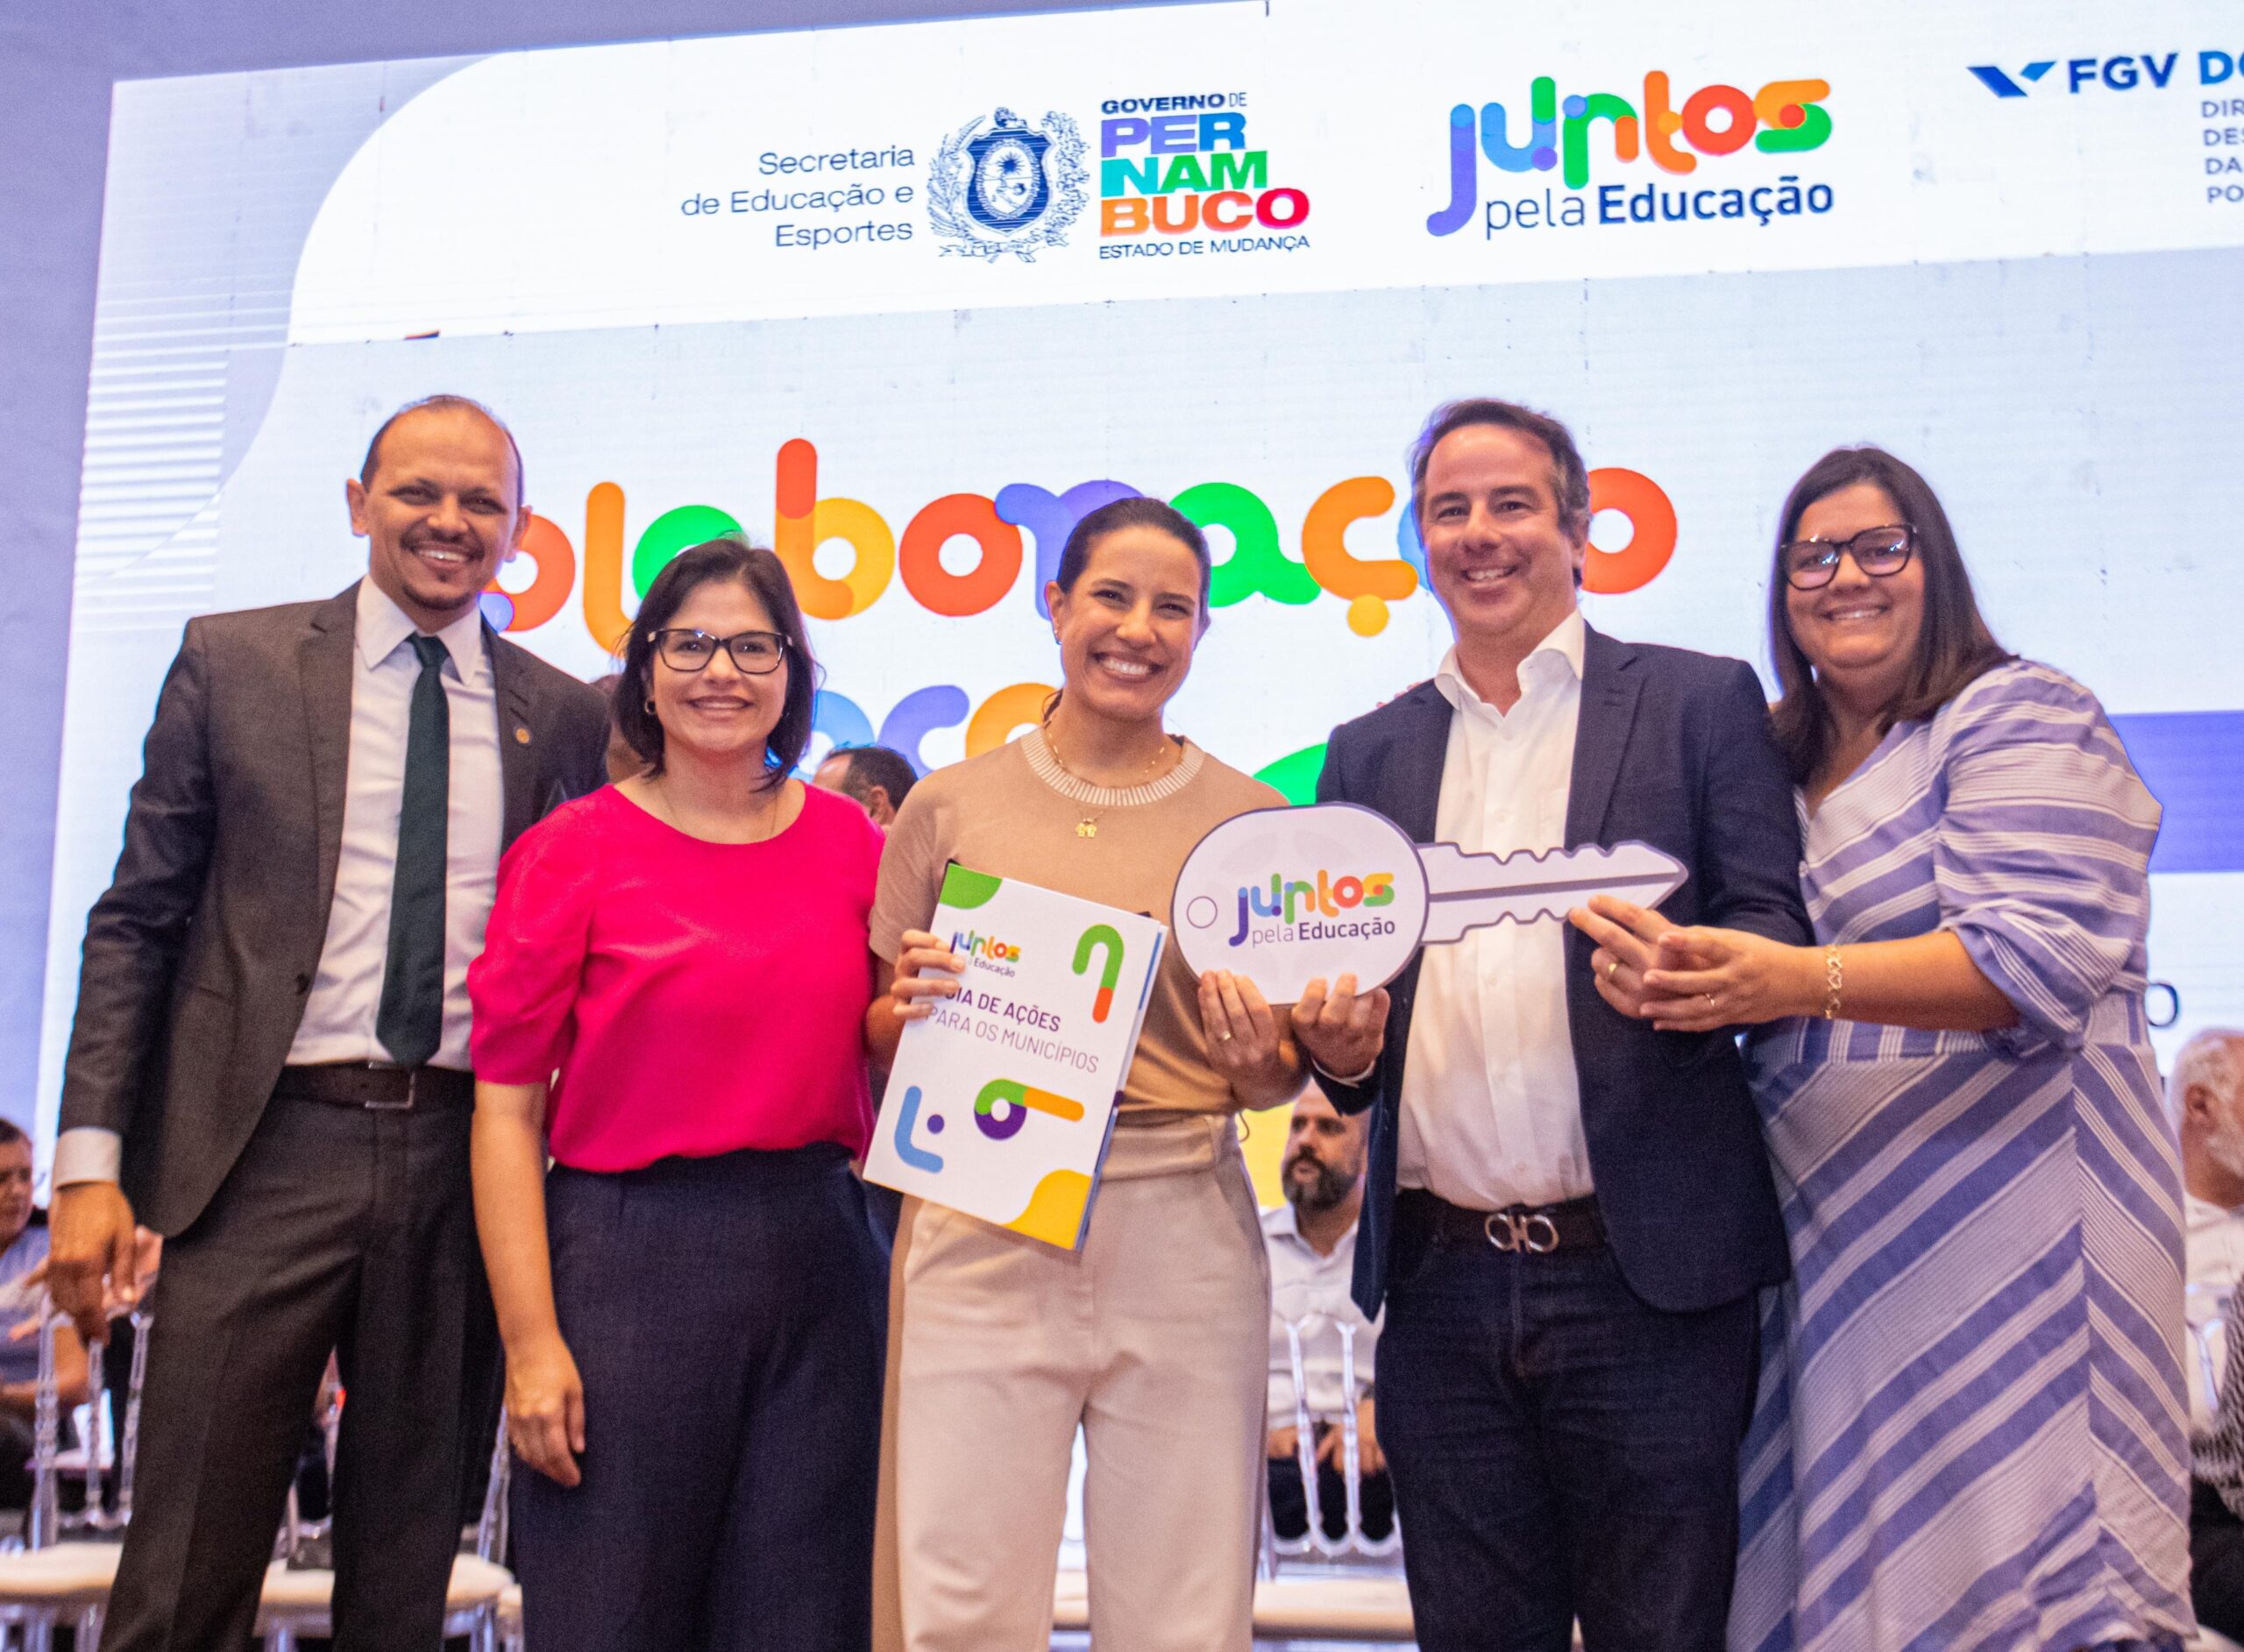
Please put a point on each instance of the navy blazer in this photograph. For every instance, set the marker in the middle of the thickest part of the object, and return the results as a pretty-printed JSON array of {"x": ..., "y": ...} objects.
[{"x": 1673, "y": 749}]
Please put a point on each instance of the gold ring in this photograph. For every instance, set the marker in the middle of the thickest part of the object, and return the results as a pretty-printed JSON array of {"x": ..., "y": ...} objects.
[
  {"x": 1223, "y": 1038},
  {"x": 1710, "y": 1001},
  {"x": 1612, "y": 967}
]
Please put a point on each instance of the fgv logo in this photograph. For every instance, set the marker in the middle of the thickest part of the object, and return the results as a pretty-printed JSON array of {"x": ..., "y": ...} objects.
[
  {"x": 1783, "y": 117},
  {"x": 2002, "y": 86},
  {"x": 2121, "y": 73},
  {"x": 976, "y": 945},
  {"x": 1291, "y": 899}
]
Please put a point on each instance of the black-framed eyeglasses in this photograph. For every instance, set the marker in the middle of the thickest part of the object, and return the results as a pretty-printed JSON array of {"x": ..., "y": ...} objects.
[
  {"x": 757, "y": 652},
  {"x": 1880, "y": 552}
]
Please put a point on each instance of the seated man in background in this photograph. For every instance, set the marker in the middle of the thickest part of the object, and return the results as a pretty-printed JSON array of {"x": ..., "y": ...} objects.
[
  {"x": 1312, "y": 1239},
  {"x": 2205, "y": 1100},
  {"x": 21, "y": 1299},
  {"x": 875, "y": 777}
]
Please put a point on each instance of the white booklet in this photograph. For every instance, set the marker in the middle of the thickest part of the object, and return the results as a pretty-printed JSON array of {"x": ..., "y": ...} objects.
[{"x": 1000, "y": 1103}]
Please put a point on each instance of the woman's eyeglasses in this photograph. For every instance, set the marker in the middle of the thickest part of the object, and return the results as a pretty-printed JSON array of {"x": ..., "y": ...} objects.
[
  {"x": 757, "y": 652},
  {"x": 1880, "y": 552}
]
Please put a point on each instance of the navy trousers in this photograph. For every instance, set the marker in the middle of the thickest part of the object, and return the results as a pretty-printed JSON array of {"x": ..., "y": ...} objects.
[
  {"x": 729, "y": 1317},
  {"x": 1559, "y": 1449}
]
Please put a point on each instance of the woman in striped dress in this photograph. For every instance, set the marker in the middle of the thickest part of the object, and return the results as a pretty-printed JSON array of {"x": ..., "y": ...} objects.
[{"x": 1972, "y": 1425}]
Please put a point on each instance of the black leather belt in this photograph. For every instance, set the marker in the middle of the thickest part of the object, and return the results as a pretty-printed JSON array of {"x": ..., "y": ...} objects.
[
  {"x": 1536, "y": 1230},
  {"x": 387, "y": 1090}
]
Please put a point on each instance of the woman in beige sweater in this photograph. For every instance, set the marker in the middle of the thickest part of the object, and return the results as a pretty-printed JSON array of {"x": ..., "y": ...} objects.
[{"x": 1153, "y": 1336}]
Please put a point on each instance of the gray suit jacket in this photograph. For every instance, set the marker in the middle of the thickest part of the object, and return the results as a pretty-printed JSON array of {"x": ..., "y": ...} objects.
[{"x": 199, "y": 957}]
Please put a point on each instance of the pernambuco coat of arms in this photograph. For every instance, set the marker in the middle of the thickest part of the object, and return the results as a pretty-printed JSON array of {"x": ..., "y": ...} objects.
[{"x": 1000, "y": 185}]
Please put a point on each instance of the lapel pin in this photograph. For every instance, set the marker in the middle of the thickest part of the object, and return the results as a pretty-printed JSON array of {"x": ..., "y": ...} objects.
[{"x": 521, "y": 735}]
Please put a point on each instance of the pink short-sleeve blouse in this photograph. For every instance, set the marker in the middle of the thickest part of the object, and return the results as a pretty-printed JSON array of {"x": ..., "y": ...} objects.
[{"x": 683, "y": 998}]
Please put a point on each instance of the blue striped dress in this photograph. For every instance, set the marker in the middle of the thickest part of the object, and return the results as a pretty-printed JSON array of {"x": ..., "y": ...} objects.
[{"x": 1972, "y": 1430}]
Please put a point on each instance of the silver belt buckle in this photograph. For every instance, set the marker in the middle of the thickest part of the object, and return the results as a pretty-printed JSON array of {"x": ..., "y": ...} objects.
[
  {"x": 1534, "y": 1233},
  {"x": 412, "y": 1083}
]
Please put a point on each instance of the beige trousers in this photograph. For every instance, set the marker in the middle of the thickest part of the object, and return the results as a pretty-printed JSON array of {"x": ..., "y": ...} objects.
[{"x": 1153, "y": 1338}]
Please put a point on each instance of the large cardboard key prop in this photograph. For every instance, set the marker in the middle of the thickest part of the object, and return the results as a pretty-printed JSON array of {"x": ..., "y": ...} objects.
[{"x": 1284, "y": 896}]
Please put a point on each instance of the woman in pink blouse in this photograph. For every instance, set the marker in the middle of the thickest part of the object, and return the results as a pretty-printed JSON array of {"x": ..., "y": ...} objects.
[{"x": 672, "y": 1003}]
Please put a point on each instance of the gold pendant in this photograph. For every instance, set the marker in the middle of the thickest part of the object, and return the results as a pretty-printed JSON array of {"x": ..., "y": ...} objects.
[{"x": 1086, "y": 828}]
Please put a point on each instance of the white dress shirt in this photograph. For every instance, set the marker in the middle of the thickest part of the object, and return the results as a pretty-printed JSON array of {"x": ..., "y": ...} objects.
[
  {"x": 2214, "y": 1246},
  {"x": 1491, "y": 1104},
  {"x": 338, "y": 1023},
  {"x": 1305, "y": 1284}
]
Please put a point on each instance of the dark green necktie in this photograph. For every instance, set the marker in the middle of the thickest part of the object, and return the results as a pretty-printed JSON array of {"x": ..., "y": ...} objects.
[{"x": 410, "y": 1022}]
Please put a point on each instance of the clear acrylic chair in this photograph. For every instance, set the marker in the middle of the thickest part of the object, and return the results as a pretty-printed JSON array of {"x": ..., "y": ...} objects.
[
  {"x": 2207, "y": 1315},
  {"x": 67, "y": 1564},
  {"x": 1344, "y": 1589},
  {"x": 298, "y": 1602},
  {"x": 1315, "y": 1544}
]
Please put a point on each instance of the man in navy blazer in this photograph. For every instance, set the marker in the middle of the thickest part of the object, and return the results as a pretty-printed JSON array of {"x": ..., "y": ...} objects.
[{"x": 1567, "y": 1212}]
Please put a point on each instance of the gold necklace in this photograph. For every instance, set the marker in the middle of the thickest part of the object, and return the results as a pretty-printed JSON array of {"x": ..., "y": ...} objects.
[
  {"x": 660, "y": 783},
  {"x": 1088, "y": 826}
]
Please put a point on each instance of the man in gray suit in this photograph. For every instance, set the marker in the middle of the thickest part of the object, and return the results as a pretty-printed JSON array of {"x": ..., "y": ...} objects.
[{"x": 270, "y": 1056}]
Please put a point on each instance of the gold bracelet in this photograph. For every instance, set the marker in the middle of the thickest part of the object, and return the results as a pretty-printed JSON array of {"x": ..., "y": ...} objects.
[{"x": 1835, "y": 982}]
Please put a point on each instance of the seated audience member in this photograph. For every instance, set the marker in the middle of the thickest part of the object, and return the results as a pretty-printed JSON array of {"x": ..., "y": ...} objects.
[
  {"x": 875, "y": 777},
  {"x": 2217, "y": 1504},
  {"x": 21, "y": 1299},
  {"x": 1312, "y": 1239},
  {"x": 2206, "y": 1102}
]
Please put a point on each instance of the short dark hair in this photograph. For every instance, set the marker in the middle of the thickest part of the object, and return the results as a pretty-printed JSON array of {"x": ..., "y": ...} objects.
[
  {"x": 1569, "y": 477},
  {"x": 766, "y": 576},
  {"x": 871, "y": 766},
  {"x": 11, "y": 1133},
  {"x": 1954, "y": 648},
  {"x": 1131, "y": 512},
  {"x": 442, "y": 402}
]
